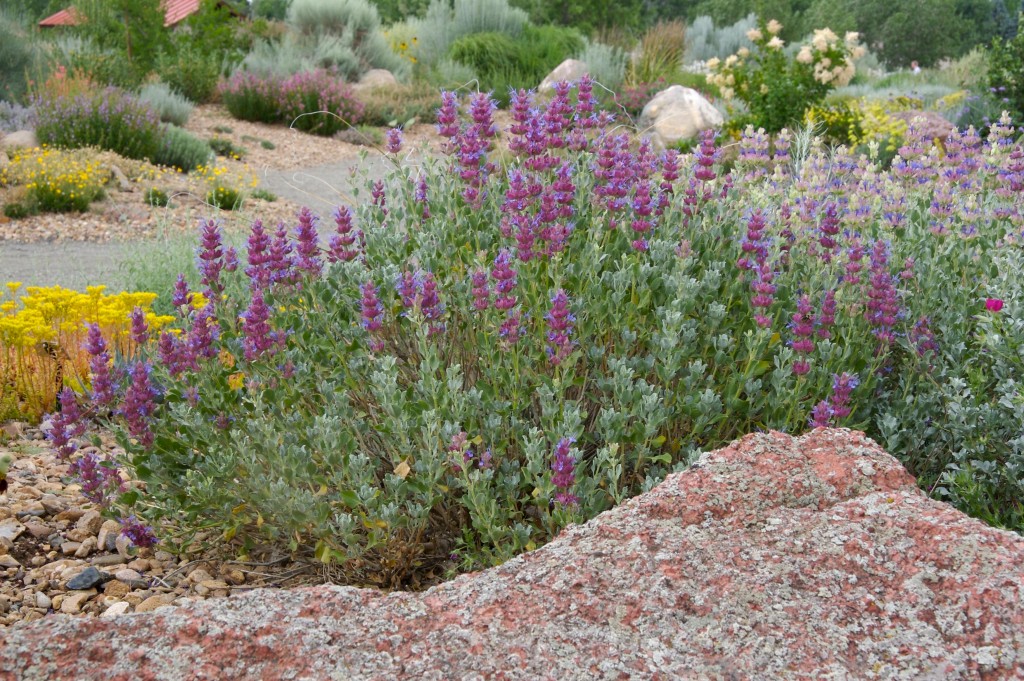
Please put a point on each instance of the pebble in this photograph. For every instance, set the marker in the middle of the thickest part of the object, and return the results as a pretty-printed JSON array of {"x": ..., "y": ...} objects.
[
  {"x": 72, "y": 603},
  {"x": 39, "y": 530},
  {"x": 7, "y": 561},
  {"x": 106, "y": 540},
  {"x": 116, "y": 588},
  {"x": 87, "y": 547},
  {"x": 88, "y": 578},
  {"x": 68, "y": 548},
  {"x": 154, "y": 602},
  {"x": 43, "y": 601},
  {"x": 116, "y": 609},
  {"x": 127, "y": 575},
  {"x": 11, "y": 529},
  {"x": 108, "y": 560},
  {"x": 91, "y": 522}
]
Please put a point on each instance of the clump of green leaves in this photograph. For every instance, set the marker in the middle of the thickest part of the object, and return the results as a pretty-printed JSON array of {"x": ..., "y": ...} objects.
[{"x": 156, "y": 197}]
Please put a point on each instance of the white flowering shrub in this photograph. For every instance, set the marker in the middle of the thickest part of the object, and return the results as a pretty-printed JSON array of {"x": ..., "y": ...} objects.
[{"x": 776, "y": 88}]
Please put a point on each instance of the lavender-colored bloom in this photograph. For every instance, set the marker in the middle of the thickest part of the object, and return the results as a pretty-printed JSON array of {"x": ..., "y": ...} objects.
[
  {"x": 370, "y": 308},
  {"x": 341, "y": 243},
  {"x": 257, "y": 336},
  {"x": 560, "y": 327},
  {"x": 139, "y": 404},
  {"x": 803, "y": 335},
  {"x": 211, "y": 256},
  {"x": 306, "y": 244},
  {"x": 258, "y": 253},
  {"x": 842, "y": 386},
  {"x": 923, "y": 338},
  {"x": 66, "y": 425},
  {"x": 821, "y": 415},
  {"x": 182, "y": 296},
  {"x": 827, "y": 316},
  {"x": 481, "y": 292},
  {"x": 882, "y": 307},
  {"x": 139, "y": 327},
  {"x": 174, "y": 354},
  {"x": 764, "y": 295},
  {"x": 203, "y": 335},
  {"x": 99, "y": 367},
  {"x": 430, "y": 304},
  {"x": 420, "y": 195},
  {"x": 564, "y": 475},
  {"x": 281, "y": 261},
  {"x": 408, "y": 286},
  {"x": 231, "y": 259},
  {"x": 505, "y": 280},
  {"x": 448, "y": 115},
  {"x": 137, "y": 533},
  {"x": 512, "y": 328},
  {"x": 393, "y": 138},
  {"x": 99, "y": 478},
  {"x": 191, "y": 395},
  {"x": 706, "y": 155},
  {"x": 377, "y": 194}
]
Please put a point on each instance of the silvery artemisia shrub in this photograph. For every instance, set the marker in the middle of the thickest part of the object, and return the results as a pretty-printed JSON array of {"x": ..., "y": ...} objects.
[{"x": 507, "y": 342}]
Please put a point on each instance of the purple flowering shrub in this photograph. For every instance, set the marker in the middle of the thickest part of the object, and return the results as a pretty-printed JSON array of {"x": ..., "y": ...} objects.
[
  {"x": 317, "y": 102},
  {"x": 109, "y": 119},
  {"x": 446, "y": 375}
]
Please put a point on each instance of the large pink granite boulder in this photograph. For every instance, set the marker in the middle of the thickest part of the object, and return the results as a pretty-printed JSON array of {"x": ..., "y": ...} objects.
[{"x": 776, "y": 557}]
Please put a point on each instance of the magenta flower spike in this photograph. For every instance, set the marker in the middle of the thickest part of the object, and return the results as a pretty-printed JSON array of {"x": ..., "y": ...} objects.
[{"x": 563, "y": 472}]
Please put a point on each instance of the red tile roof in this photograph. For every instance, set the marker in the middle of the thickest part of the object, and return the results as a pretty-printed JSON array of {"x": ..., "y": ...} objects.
[{"x": 175, "y": 11}]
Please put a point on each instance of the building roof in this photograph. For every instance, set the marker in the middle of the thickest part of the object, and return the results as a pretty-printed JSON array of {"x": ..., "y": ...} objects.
[{"x": 175, "y": 11}]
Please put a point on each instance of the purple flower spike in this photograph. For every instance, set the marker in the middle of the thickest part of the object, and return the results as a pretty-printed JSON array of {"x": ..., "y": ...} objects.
[
  {"x": 505, "y": 278},
  {"x": 803, "y": 335},
  {"x": 821, "y": 415},
  {"x": 99, "y": 367},
  {"x": 258, "y": 337},
  {"x": 306, "y": 244},
  {"x": 138, "y": 534},
  {"x": 564, "y": 475},
  {"x": 67, "y": 424},
  {"x": 341, "y": 243},
  {"x": 370, "y": 308},
  {"x": 481, "y": 292},
  {"x": 394, "y": 140},
  {"x": 139, "y": 327},
  {"x": 139, "y": 404},
  {"x": 430, "y": 304},
  {"x": 211, "y": 256},
  {"x": 560, "y": 328},
  {"x": 182, "y": 296}
]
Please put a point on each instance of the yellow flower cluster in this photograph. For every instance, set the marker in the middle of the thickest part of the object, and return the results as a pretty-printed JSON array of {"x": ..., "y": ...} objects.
[
  {"x": 404, "y": 47},
  {"x": 861, "y": 121},
  {"x": 55, "y": 180},
  {"x": 41, "y": 336},
  {"x": 223, "y": 186}
]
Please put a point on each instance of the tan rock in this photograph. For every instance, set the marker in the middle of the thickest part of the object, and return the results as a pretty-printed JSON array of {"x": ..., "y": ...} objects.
[
  {"x": 87, "y": 547},
  {"x": 154, "y": 602},
  {"x": 106, "y": 540},
  {"x": 569, "y": 70},
  {"x": 71, "y": 514},
  {"x": 72, "y": 603},
  {"x": 116, "y": 588},
  {"x": 91, "y": 522},
  {"x": 677, "y": 113},
  {"x": 69, "y": 548},
  {"x": 116, "y": 609},
  {"x": 43, "y": 601}
]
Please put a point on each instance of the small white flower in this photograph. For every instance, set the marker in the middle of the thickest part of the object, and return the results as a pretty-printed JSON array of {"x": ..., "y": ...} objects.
[
  {"x": 764, "y": 88},
  {"x": 731, "y": 60},
  {"x": 775, "y": 43},
  {"x": 728, "y": 93},
  {"x": 754, "y": 34},
  {"x": 805, "y": 56},
  {"x": 713, "y": 63},
  {"x": 743, "y": 52},
  {"x": 851, "y": 38},
  {"x": 774, "y": 27}
]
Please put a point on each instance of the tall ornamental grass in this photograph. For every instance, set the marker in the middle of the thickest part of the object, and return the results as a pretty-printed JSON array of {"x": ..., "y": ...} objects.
[{"x": 499, "y": 344}]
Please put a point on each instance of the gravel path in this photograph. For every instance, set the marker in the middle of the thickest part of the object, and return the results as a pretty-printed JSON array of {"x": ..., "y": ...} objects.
[{"x": 71, "y": 264}]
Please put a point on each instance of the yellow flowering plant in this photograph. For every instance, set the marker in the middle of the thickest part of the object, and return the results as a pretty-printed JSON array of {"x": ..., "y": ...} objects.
[
  {"x": 224, "y": 187},
  {"x": 56, "y": 181},
  {"x": 776, "y": 88},
  {"x": 42, "y": 331}
]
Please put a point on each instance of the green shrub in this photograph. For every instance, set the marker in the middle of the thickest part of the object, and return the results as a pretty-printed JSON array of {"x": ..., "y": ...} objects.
[
  {"x": 17, "y": 210},
  {"x": 263, "y": 195},
  {"x": 486, "y": 53},
  {"x": 170, "y": 106},
  {"x": 110, "y": 119},
  {"x": 395, "y": 106},
  {"x": 182, "y": 150},
  {"x": 606, "y": 64},
  {"x": 156, "y": 197},
  {"x": 225, "y": 147},
  {"x": 445, "y": 22},
  {"x": 316, "y": 101},
  {"x": 190, "y": 72},
  {"x": 225, "y": 198},
  {"x": 704, "y": 41},
  {"x": 1006, "y": 73},
  {"x": 661, "y": 53},
  {"x": 20, "y": 59}
]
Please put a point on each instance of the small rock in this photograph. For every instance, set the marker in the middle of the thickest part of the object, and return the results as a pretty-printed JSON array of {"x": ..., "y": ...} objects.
[
  {"x": 91, "y": 522},
  {"x": 199, "y": 575},
  {"x": 87, "y": 547},
  {"x": 163, "y": 556},
  {"x": 140, "y": 565},
  {"x": 33, "y": 615},
  {"x": 116, "y": 588},
  {"x": 68, "y": 548},
  {"x": 7, "y": 561},
  {"x": 116, "y": 609},
  {"x": 5, "y": 605},
  {"x": 108, "y": 560},
  {"x": 21, "y": 139},
  {"x": 33, "y": 510},
  {"x": 107, "y": 538},
  {"x": 11, "y": 529},
  {"x": 43, "y": 601},
  {"x": 39, "y": 530},
  {"x": 87, "y": 579},
  {"x": 122, "y": 180},
  {"x": 233, "y": 576},
  {"x": 72, "y": 514},
  {"x": 77, "y": 534},
  {"x": 53, "y": 505},
  {"x": 31, "y": 493},
  {"x": 127, "y": 575},
  {"x": 123, "y": 545},
  {"x": 72, "y": 603},
  {"x": 214, "y": 584},
  {"x": 38, "y": 561},
  {"x": 201, "y": 590},
  {"x": 154, "y": 602},
  {"x": 57, "y": 600}
]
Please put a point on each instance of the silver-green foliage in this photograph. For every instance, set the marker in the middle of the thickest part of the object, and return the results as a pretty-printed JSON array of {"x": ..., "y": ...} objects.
[
  {"x": 444, "y": 23},
  {"x": 171, "y": 106},
  {"x": 605, "y": 63},
  {"x": 704, "y": 40}
]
